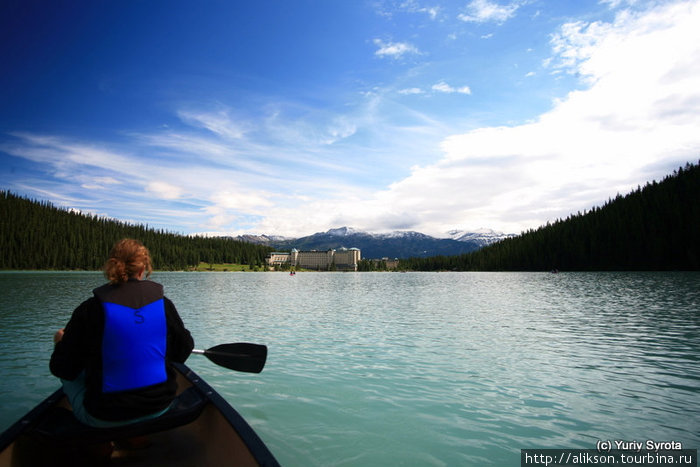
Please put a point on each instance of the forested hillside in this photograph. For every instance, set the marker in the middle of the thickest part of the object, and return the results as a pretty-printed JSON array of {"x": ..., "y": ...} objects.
[
  {"x": 38, "y": 235},
  {"x": 656, "y": 227},
  {"x": 653, "y": 228}
]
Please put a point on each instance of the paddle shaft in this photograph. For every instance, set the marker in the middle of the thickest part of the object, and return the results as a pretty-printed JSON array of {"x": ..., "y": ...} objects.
[{"x": 215, "y": 352}]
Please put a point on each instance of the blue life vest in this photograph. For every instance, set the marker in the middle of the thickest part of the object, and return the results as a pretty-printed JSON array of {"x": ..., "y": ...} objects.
[{"x": 133, "y": 346}]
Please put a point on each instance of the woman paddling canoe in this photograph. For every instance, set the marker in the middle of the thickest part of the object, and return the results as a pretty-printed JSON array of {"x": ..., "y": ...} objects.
[
  {"x": 200, "y": 428},
  {"x": 121, "y": 360},
  {"x": 113, "y": 357}
]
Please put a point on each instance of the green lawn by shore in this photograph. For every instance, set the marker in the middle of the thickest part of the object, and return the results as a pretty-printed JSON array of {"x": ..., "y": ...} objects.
[
  {"x": 226, "y": 267},
  {"x": 232, "y": 267}
]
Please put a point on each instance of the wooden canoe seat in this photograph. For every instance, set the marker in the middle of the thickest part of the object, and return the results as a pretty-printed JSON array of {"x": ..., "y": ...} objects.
[{"x": 60, "y": 426}]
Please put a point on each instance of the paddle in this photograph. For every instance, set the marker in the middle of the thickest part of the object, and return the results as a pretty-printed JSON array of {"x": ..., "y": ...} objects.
[{"x": 240, "y": 356}]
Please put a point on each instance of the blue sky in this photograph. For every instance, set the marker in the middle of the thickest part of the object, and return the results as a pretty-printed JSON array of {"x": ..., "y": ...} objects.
[{"x": 295, "y": 117}]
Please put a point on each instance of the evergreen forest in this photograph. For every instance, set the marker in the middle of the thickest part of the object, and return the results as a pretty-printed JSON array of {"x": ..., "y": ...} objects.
[
  {"x": 654, "y": 228},
  {"x": 38, "y": 235}
]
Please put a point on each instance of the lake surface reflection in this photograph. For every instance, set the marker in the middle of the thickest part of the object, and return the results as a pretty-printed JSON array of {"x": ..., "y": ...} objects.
[{"x": 414, "y": 368}]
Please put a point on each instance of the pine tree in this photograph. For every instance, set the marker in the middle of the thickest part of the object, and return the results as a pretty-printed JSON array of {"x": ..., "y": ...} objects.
[{"x": 37, "y": 235}]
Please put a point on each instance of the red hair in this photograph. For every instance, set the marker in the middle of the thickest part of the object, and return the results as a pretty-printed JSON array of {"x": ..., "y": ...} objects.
[{"x": 127, "y": 259}]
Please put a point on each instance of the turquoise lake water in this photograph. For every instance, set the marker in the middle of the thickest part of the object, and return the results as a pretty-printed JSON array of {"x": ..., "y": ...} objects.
[{"x": 414, "y": 369}]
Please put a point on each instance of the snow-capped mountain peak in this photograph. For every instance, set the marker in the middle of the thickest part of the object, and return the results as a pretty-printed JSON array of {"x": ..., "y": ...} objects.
[
  {"x": 480, "y": 236},
  {"x": 396, "y": 244},
  {"x": 343, "y": 232}
]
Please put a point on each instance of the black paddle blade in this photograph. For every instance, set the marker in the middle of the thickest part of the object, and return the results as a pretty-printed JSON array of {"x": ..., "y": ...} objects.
[{"x": 240, "y": 356}]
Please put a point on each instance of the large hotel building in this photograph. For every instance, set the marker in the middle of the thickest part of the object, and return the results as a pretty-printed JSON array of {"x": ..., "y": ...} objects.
[{"x": 343, "y": 259}]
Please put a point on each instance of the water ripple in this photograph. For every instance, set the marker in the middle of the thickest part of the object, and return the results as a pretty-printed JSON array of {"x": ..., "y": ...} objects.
[{"x": 417, "y": 368}]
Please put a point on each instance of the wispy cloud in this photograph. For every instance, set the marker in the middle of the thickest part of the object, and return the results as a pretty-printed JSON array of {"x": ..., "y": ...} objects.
[
  {"x": 446, "y": 88},
  {"x": 219, "y": 122},
  {"x": 439, "y": 87},
  {"x": 394, "y": 49},
  {"x": 413, "y": 6},
  {"x": 62, "y": 156},
  {"x": 221, "y": 176},
  {"x": 410, "y": 91},
  {"x": 164, "y": 190},
  {"x": 617, "y": 3},
  {"x": 484, "y": 11},
  {"x": 388, "y": 9},
  {"x": 613, "y": 135},
  {"x": 380, "y": 156}
]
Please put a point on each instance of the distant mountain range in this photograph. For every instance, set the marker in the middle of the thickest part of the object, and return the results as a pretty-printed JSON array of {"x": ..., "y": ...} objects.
[{"x": 398, "y": 244}]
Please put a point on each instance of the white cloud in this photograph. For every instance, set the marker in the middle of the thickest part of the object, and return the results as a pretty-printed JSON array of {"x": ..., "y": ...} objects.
[
  {"x": 227, "y": 206},
  {"x": 164, "y": 190},
  {"x": 340, "y": 129},
  {"x": 446, "y": 88},
  {"x": 413, "y": 7},
  {"x": 616, "y": 3},
  {"x": 99, "y": 183},
  {"x": 431, "y": 11},
  {"x": 410, "y": 6},
  {"x": 243, "y": 200},
  {"x": 394, "y": 49},
  {"x": 295, "y": 171},
  {"x": 107, "y": 181},
  {"x": 637, "y": 120},
  {"x": 483, "y": 11},
  {"x": 219, "y": 122},
  {"x": 77, "y": 162},
  {"x": 410, "y": 91},
  {"x": 216, "y": 182}
]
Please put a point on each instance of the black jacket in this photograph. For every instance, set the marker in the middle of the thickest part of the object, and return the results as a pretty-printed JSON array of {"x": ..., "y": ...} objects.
[{"x": 81, "y": 350}]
